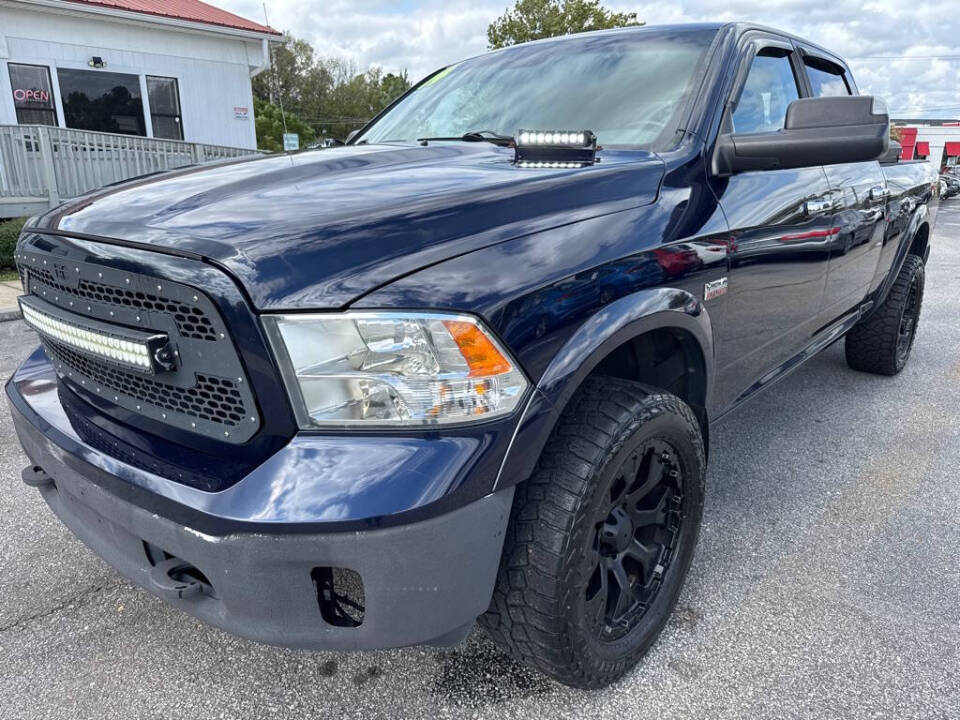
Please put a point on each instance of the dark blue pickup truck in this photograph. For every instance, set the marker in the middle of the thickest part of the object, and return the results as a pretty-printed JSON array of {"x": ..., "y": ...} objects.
[{"x": 465, "y": 366}]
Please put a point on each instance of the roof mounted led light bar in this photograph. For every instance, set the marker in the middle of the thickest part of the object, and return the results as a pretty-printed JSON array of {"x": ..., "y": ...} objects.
[
  {"x": 143, "y": 352},
  {"x": 555, "y": 148}
]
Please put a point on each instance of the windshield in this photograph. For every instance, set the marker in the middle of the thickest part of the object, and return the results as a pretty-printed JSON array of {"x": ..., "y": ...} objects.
[{"x": 626, "y": 87}]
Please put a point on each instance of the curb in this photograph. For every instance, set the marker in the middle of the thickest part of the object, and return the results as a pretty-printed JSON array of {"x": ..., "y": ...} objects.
[{"x": 7, "y": 314}]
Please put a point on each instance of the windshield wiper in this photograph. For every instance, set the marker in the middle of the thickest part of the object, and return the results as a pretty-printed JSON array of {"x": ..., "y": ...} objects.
[{"x": 475, "y": 136}]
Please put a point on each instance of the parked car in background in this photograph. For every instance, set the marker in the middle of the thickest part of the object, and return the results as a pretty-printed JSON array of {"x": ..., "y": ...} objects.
[
  {"x": 466, "y": 366},
  {"x": 327, "y": 142},
  {"x": 950, "y": 185}
]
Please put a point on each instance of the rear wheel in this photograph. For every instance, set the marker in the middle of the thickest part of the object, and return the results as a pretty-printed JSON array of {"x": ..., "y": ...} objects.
[
  {"x": 602, "y": 535},
  {"x": 882, "y": 342}
]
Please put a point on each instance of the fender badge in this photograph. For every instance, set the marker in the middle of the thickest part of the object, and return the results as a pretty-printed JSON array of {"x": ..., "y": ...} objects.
[{"x": 714, "y": 289}]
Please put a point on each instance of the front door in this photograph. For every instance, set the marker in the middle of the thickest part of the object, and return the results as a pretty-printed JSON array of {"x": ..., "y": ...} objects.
[{"x": 781, "y": 227}]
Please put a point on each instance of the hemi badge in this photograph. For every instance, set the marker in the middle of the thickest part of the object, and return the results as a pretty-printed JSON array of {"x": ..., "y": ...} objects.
[{"x": 714, "y": 289}]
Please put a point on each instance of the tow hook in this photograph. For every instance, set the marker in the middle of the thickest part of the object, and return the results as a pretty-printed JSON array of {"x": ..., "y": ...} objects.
[
  {"x": 170, "y": 579},
  {"x": 36, "y": 477}
]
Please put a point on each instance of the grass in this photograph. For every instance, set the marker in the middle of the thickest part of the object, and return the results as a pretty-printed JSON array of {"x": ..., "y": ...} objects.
[{"x": 8, "y": 275}]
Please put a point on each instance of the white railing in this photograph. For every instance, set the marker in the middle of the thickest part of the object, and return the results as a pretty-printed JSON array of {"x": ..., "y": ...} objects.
[{"x": 40, "y": 164}]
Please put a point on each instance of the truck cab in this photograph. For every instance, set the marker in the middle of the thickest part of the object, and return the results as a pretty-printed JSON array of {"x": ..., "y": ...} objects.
[{"x": 465, "y": 366}]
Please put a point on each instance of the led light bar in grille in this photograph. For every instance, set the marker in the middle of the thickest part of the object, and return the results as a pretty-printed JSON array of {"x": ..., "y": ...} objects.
[{"x": 135, "y": 352}]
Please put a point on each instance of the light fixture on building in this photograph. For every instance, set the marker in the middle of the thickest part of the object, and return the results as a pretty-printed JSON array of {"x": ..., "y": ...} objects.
[{"x": 96, "y": 62}]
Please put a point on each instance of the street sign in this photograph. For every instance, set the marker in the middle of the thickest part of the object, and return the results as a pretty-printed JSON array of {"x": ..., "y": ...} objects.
[{"x": 291, "y": 141}]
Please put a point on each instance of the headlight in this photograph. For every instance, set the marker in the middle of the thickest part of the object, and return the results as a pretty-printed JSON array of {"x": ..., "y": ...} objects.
[{"x": 392, "y": 368}]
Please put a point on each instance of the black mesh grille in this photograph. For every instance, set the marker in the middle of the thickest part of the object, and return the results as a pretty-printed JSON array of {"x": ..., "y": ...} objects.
[
  {"x": 192, "y": 322},
  {"x": 213, "y": 399},
  {"x": 206, "y": 392},
  {"x": 110, "y": 445}
]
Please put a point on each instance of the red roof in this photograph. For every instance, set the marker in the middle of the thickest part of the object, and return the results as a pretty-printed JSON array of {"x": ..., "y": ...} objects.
[
  {"x": 953, "y": 149},
  {"x": 923, "y": 148},
  {"x": 190, "y": 10}
]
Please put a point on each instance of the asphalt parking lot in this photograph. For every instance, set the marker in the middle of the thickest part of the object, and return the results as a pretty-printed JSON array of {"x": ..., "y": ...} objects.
[{"x": 826, "y": 582}]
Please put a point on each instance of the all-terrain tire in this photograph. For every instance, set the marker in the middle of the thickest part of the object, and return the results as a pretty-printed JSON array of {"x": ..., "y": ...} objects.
[
  {"x": 881, "y": 343},
  {"x": 539, "y": 611}
]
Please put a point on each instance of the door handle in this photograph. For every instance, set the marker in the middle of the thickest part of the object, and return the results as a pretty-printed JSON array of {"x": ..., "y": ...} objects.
[{"x": 880, "y": 192}]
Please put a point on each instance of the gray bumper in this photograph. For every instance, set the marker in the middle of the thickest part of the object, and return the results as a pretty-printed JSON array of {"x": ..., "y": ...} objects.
[{"x": 423, "y": 582}]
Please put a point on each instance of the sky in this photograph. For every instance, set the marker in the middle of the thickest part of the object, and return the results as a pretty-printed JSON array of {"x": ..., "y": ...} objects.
[{"x": 874, "y": 36}]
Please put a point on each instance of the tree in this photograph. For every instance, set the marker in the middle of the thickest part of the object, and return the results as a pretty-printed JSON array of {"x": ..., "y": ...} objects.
[
  {"x": 332, "y": 95},
  {"x": 269, "y": 125},
  {"x": 392, "y": 86},
  {"x": 535, "y": 19},
  {"x": 296, "y": 79}
]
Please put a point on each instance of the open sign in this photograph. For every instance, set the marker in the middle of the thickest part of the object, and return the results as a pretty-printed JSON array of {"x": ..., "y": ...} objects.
[{"x": 24, "y": 95}]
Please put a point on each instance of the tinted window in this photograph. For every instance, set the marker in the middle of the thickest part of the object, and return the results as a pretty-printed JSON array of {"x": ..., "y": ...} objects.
[
  {"x": 826, "y": 79},
  {"x": 32, "y": 94},
  {"x": 108, "y": 102},
  {"x": 164, "y": 95},
  {"x": 626, "y": 87},
  {"x": 769, "y": 89}
]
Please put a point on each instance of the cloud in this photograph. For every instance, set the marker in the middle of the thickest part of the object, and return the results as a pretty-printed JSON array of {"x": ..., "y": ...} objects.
[{"x": 422, "y": 35}]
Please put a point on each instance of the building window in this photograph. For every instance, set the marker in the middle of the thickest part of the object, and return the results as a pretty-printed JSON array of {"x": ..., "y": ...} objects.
[
  {"x": 164, "y": 94},
  {"x": 32, "y": 94},
  {"x": 103, "y": 101}
]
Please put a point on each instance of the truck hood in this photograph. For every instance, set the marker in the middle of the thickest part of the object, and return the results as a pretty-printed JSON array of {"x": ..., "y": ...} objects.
[{"x": 320, "y": 229}]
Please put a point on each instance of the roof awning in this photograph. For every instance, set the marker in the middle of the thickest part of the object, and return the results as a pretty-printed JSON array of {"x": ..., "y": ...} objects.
[
  {"x": 953, "y": 149},
  {"x": 908, "y": 141},
  {"x": 923, "y": 148}
]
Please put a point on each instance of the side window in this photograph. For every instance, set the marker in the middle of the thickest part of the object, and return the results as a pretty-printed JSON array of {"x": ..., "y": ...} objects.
[
  {"x": 32, "y": 94},
  {"x": 769, "y": 89},
  {"x": 826, "y": 79}
]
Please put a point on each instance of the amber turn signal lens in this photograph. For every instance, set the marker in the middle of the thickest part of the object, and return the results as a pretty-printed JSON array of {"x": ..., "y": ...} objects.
[{"x": 481, "y": 355}]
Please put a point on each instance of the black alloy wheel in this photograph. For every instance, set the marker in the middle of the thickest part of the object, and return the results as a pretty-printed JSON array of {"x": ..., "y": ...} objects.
[
  {"x": 881, "y": 342},
  {"x": 908, "y": 321},
  {"x": 601, "y": 536},
  {"x": 637, "y": 540}
]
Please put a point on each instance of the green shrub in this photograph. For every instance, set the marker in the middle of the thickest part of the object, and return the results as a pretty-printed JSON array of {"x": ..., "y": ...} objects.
[{"x": 9, "y": 232}]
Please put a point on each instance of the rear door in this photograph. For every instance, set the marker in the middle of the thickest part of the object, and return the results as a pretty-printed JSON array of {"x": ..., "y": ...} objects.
[
  {"x": 780, "y": 222},
  {"x": 861, "y": 195}
]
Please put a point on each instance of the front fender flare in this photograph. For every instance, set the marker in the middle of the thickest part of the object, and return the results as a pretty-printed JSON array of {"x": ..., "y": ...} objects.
[{"x": 595, "y": 339}]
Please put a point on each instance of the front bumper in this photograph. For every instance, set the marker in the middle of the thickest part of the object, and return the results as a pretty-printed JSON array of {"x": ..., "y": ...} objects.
[{"x": 423, "y": 582}]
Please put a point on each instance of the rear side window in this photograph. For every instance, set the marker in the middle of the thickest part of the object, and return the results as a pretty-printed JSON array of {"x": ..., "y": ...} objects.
[
  {"x": 826, "y": 79},
  {"x": 770, "y": 87}
]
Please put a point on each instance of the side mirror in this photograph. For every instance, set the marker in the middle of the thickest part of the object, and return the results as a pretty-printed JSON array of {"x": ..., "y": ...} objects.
[
  {"x": 892, "y": 155},
  {"x": 817, "y": 131},
  {"x": 350, "y": 136}
]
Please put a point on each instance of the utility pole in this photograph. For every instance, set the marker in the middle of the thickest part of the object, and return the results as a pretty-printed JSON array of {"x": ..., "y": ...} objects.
[{"x": 274, "y": 85}]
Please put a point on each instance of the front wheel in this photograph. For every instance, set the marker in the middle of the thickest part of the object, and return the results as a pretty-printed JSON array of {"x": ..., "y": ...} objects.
[{"x": 602, "y": 535}]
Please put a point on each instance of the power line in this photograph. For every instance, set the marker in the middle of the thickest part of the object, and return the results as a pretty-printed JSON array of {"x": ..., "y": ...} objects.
[
  {"x": 923, "y": 109},
  {"x": 906, "y": 57}
]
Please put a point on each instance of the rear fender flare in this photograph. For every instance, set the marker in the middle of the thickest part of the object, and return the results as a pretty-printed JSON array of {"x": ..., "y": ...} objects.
[{"x": 920, "y": 216}]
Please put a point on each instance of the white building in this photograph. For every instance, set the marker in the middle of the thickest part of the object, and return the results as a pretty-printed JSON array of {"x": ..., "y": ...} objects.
[
  {"x": 937, "y": 142},
  {"x": 175, "y": 69}
]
